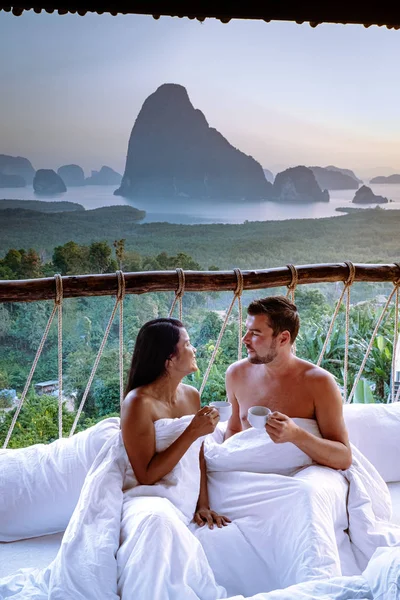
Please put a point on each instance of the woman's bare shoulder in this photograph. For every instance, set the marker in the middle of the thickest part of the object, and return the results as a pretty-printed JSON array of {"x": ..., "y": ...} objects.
[
  {"x": 136, "y": 403},
  {"x": 189, "y": 389},
  {"x": 191, "y": 395}
]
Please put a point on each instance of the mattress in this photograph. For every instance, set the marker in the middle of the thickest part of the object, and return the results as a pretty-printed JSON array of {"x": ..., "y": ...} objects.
[{"x": 39, "y": 552}]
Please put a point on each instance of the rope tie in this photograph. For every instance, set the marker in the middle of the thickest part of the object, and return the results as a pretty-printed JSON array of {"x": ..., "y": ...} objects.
[
  {"x": 384, "y": 310},
  {"x": 291, "y": 291},
  {"x": 118, "y": 303},
  {"x": 293, "y": 284},
  {"x": 352, "y": 273},
  {"x": 179, "y": 293},
  {"x": 57, "y": 306},
  {"x": 121, "y": 286},
  {"x": 58, "y": 303},
  {"x": 236, "y": 296},
  {"x": 395, "y": 396},
  {"x": 120, "y": 299}
]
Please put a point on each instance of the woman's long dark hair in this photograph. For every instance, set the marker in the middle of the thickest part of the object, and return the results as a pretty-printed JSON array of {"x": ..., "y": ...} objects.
[{"x": 156, "y": 342}]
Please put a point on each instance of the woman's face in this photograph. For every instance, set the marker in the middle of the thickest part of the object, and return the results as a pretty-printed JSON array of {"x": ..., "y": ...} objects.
[{"x": 184, "y": 361}]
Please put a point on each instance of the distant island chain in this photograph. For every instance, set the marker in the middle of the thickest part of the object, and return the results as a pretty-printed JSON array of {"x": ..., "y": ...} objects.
[{"x": 173, "y": 153}]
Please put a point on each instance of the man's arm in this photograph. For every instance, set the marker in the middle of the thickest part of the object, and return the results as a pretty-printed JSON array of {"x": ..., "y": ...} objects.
[
  {"x": 333, "y": 450},
  {"x": 234, "y": 423}
]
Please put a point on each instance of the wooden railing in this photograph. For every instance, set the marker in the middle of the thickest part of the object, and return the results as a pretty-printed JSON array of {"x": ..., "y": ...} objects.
[{"x": 195, "y": 281}]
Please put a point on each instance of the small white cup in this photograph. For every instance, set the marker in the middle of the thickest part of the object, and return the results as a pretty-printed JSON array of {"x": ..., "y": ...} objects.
[
  {"x": 258, "y": 416},
  {"x": 224, "y": 409}
]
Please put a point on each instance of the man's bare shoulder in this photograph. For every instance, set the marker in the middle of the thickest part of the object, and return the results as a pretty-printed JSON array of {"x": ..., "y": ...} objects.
[
  {"x": 315, "y": 374},
  {"x": 319, "y": 382},
  {"x": 238, "y": 368}
]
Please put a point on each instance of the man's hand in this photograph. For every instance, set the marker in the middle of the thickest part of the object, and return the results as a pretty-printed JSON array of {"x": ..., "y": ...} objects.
[
  {"x": 281, "y": 428},
  {"x": 206, "y": 515}
]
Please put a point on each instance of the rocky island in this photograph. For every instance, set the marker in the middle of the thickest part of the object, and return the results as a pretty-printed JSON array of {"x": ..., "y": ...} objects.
[
  {"x": 15, "y": 171},
  {"x": 348, "y": 172},
  {"x": 72, "y": 175},
  {"x": 106, "y": 176},
  {"x": 11, "y": 181},
  {"x": 334, "y": 179},
  {"x": 174, "y": 153},
  {"x": 298, "y": 185},
  {"x": 47, "y": 181},
  {"x": 389, "y": 179},
  {"x": 366, "y": 196}
]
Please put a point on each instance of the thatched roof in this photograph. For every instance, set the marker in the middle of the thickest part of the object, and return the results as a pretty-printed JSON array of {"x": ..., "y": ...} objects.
[{"x": 314, "y": 12}]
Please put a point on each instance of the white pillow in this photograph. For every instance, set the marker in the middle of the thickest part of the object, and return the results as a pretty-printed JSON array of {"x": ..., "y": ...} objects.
[
  {"x": 253, "y": 450},
  {"x": 40, "y": 485},
  {"x": 375, "y": 430}
]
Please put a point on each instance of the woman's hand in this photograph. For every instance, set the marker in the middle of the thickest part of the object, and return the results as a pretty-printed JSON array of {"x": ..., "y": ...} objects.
[
  {"x": 204, "y": 421},
  {"x": 206, "y": 515}
]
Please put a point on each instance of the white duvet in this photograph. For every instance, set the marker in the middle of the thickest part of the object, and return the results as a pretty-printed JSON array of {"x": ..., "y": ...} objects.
[
  {"x": 292, "y": 520},
  {"x": 288, "y": 531}
]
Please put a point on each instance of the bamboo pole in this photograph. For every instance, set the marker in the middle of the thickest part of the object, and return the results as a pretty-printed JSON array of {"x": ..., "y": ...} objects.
[{"x": 79, "y": 286}]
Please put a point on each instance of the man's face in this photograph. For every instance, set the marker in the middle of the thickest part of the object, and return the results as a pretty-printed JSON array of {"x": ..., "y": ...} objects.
[{"x": 259, "y": 340}]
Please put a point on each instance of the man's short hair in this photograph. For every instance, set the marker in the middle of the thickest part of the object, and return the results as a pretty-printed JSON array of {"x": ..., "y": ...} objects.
[{"x": 282, "y": 314}]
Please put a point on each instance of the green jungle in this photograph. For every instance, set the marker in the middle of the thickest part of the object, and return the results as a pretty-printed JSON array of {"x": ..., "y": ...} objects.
[{"x": 40, "y": 242}]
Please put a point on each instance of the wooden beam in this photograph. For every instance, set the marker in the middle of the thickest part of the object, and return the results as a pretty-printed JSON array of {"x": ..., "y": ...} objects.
[{"x": 79, "y": 286}]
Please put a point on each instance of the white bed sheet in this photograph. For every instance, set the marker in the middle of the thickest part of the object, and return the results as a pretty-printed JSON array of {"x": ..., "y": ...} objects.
[
  {"x": 39, "y": 552},
  {"x": 35, "y": 552},
  {"x": 95, "y": 514}
]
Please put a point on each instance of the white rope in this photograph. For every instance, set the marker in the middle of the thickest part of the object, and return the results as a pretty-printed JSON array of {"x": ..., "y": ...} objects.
[
  {"x": 59, "y": 300},
  {"x": 121, "y": 282},
  {"x": 121, "y": 296},
  {"x": 34, "y": 364},
  {"x": 395, "y": 341},
  {"x": 240, "y": 332},
  {"x": 291, "y": 292},
  {"x": 179, "y": 293},
  {"x": 395, "y": 337},
  {"x": 237, "y": 294},
  {"x": 357, "y": 379},
  {"x": 347, "y": 284},
  {"x": 346, "y": 344}
]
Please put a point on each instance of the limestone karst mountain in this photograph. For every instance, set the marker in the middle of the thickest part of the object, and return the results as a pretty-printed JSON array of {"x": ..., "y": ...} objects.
[
  {"x": 297, "y": 185},
  {"x": 174, "y": 153}
]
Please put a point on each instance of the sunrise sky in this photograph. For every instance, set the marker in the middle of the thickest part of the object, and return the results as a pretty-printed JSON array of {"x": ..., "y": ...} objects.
[{"x": 71, "y": 88}]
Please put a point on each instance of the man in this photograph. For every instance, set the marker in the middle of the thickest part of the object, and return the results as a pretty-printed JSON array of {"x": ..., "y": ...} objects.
[{"x": 274, "y": 377}]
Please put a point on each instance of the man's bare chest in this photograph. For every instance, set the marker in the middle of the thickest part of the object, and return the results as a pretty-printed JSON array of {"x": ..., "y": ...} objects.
[{"x": 286, "y": 397}]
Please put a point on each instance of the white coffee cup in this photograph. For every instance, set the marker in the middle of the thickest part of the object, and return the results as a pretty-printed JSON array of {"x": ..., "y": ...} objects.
[
  {"x": 224, "y": 409},
  {"x": 258, "y": 416}
]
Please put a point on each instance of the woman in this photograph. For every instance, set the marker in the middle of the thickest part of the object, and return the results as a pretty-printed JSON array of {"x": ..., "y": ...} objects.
[{"x": 162, "y": 357}]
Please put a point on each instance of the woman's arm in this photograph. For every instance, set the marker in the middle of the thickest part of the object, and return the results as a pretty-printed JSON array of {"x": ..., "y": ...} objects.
[
  {"x": 138, "y": 434},
  {"x": 203, "y": 512}
]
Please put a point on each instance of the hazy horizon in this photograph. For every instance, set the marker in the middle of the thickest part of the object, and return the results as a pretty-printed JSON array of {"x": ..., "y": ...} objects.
[{"x": 284, "y": 93}]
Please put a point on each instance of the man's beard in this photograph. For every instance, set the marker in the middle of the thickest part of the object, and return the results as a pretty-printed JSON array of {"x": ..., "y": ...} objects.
[{"x": 264, "y": 360}]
